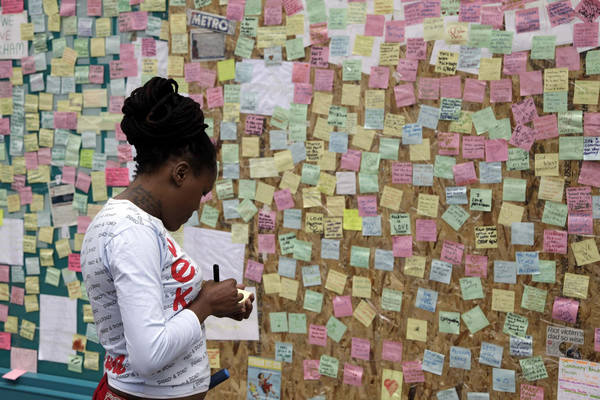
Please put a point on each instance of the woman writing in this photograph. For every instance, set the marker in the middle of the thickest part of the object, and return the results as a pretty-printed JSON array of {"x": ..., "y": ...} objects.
[{"x": 147, "y": 295}]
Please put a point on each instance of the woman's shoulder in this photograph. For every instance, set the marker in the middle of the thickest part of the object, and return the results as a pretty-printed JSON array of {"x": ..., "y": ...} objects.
[{"x": 118, "y": 216}]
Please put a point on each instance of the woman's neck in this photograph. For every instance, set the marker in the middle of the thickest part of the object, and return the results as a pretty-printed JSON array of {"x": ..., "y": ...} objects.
[{"x": 141, "y": 194}]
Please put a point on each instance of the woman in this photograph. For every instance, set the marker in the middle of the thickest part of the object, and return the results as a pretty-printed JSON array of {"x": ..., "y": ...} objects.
[{"x": 147, "y": 294}]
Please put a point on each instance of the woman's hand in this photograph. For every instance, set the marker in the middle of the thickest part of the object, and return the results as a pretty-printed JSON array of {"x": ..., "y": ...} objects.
[{"x": 220, "y": 299}]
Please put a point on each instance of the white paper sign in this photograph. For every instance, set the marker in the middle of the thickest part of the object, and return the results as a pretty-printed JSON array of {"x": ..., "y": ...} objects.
[{"x": 11, "y": 45}]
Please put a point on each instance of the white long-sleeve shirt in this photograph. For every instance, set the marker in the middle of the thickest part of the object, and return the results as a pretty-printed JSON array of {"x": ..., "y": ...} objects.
[{"x": 139, "y": 281}]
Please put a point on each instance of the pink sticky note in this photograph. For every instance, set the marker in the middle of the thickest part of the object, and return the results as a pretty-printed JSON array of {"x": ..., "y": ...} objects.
[
  {"x": 351, "y": 160},
  {"x": 214, "y": 97},
  {"x": 591, "y": 124},
  {"x": 21, "y": 358},
  {"x": 311, "y": 370},
  {"x": 394, "y": 31},
  {"x": 597, "y": 339},
  {"x": 416, "y": 48},
  {"x": 31, "y": 161},
  {"x": 367, "y": 206},
  {"x": 26, "y": 195},
  {"x": 413, "y": 372},
  {"x": 523, "y": 137},
  {"x": 318, "y": 33},
  {"x": 391, "y": 351},
  {"x": 470, "y": 12},
  {"x": 524, "y": 111},
  {"x": 17, "y": 295},
  {"x": 283, "y": 199},
  {"x": 545, "y": 127},
  {"x": 474, "y": 90},
  {"x": 302, "y": 93},
  {"x": 379, "y": 78},
  {"x": 560, "y": 12},
  {"x": 324, "y": 80},
  {"x": 292, "y": 7},
  {"x": 589, "y": 173},
  {"x": 530, "y": 392},
  {"x": 361, "y": 348},
  {"x": 206, "y": 198},
  {"x": 353, "y": 374},
  {"x": 448, "y": 143},
  {"x": 402, "y": 172},
  {"x": 119, "y": 134},
  {"x": 565, "y": 309},
  {"x": 515, "y": 63},
  {"x": 585, "y": 34},
  {"x": 580, "y": 224},
  {"x": 404, "y": 95},
  {"x": 3, "y": 312},
  {"x": 301, "y": 72},
  {"x": 464, "y": 173},
  {"x": 317, "y": 335},
  {"x": 44, "y": 156},
  {"x": 476, "y": 265},
  {"x": 82, "y": 223},
  {"x": 413, "y": 13},
  {"x": 588, "y": 10},
  {"x": 272, "y": 14},
  {"x": 117, "y": 176},
  {"x": 27, "y": 65},
  {"x": 450, "y": 87},
  {"x": 492, "y": 15},
  {"x": 579, "y": 199},
  {"x": 555, "y": 241},
  {"x": 96, "y": 74},
  {"x": 452, "y": 252},
  {"x": 254, "y": 125},
  {"x": 266, "y": 243},
  {"x": 235, "y": 10},
  {"x": 4, "y": 340},
  {"x": 473, "y": 147},
  {"x": 429, "y": 88},
  {"x": 374, "y": 25},
  {"x": 4, "y": 273},
  {"x": 266, "y": 220},
  {"x": 74, "y": 262},
  {"x": 116, "y": 104},
  {"x": 4, "y": 126},
  {"x": 527, "y": 20},
  {"x": 207, "y": 78},
  {"x": 402, "y": 246},
  {"x": 319, "y": 56},
  {"x": 254, "y": 271},
  {"x": 6, "y": 69},
  {"x": 191, "y": 72},
  {"x": 426, "y": 230},
  {"x": 531, "y": 83},
  {"x": 407, "y": 69},
  {"x": 14, "y": 374},
  {"x": 124, "y": 152},
  {"x": 501, "y": 91},
  {"x": 342, "y": 306},
  {"x": 567, "y": 57},
  {"x": 496, "y": 150}
]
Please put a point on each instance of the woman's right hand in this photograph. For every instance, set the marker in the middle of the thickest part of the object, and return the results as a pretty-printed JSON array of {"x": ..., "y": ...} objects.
[{"x": 220, "y": 299}]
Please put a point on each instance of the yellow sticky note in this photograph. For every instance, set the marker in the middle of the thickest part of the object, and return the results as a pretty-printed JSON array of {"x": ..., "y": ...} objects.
[
  {"x": 361, "y": 287},
  {"x": 336, "y": 206},
  {"x": 433, "y": 29},
  {"x": 63, "y": 249},
  {"x": 175, "y": 66},
  {"x": 428, "y": 205},
  {"x": 503, "y": 300},
  {"x": 415, "y": 266},
  {"x": 177, "y": 22},
  {"x": 294, "y": 24},
  {"x": 489, "y": 69},
  {"x": 416, "y": 329},
  {"x": 586, "y": 251},
  {"x": 27, "y": 329},
  {"x": 321, "y": 103},
  {"x": 239, "y": 233},
  {"x": 313, "y": 223},
  {"x": 284, "y": 160},
  {"x": 551, "y": 188},
  {"x": 363, "y": 139},
  {"x": 32, "y": 285},
  {"x": 74, "y": 289},
  {"x": 333, "y": 227},
  {"x": 447, "y": 62},
  {"x": 12, "y": 324},
  {"x": 272, "y": 283},
  {"x": 311, "y": 197},
  {"x": 47, "y": 257},
  {"x": 214, "y": 359},
  {"x": 289, "y": 288},
  {"x": 250, "y": 146},
  {"x": 264, "y": 193},
  {"x": 350, "y": 94},
  {"x": 457, "y": 32},
  {"x": 13, "y": 202},
  {"x": 54, "y": 23},
  {"x": 486, "y": 237},
  {"x": 391, "y": 198},
  {"x": 27, "y": 31},
  {"x": 226, "y": 70},
  {"x": 389, "y": 53},
  {"x": 375, "y": 98},
  {"x": 1, "y": 217},
  {"x": 103, "y": 27},
  {"x": 90, "y": 360},
  {"x": 88, "y": 316},
  {"x": 546, "y": 164},
  {"x": 31, "y": 303},
  {"x": 352, "y": 221},
  {"x": 326, "y": 183},
  {"x": 290, "y": 181},
  {"x": 420, "y": 152},
  {"x": 29, "y": 242},
  {"x": 364, "y": 313},
  {"x": 586, "y": 92},
  {"x": 576, "y": 285},
  {"x": 336, "y": 281},
  {"x": 99, "y": 192},
  {"x": 510, "y": 213},
  {"x": 391, "y": 384},
  {"x": 556, "y": 80},
  {"x": 97, "y": 47},
  {"x": 363, "y": 45}
]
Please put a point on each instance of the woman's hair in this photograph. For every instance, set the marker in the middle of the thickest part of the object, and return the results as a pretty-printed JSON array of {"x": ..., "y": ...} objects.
[{"x": 161, "y": 123}]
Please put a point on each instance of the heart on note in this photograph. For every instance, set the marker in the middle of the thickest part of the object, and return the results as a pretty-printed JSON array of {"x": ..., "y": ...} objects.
[{"x": 391, "y": 385}]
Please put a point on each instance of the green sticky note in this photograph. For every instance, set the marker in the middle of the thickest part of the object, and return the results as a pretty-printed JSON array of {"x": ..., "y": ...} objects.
[
  {"x": 515, "y": 325},
  {"x": 224, "y": 189},
  {"x": 518, "y": 159},
  {"x": 297, "y": 323},
  {"x": 286, "y": 243},
  {"x": 298, "y": 113},
  {"x": 475, "y": 320},
  {"x": 484, "y": 120},
  {"x": 80, "y": 203},
  {"x": 279, "y": 322},
  {"x": 313, "y": 301},
  {"x": 480, "y": 35},
  {"x": 391, "y": 299},
  {"x": 297, "y": 132},
  {"x": 280, "y": 118},
  {"x": 450, "y": 109},
  {"x": 369, "y": 162},
  {"x": 52, "y": 276},
  {"x": 450, "y": 7},
  {"x": 294, "y": 49},
  {"x": 316, "y": 11},
  {"x": 555, "y": 101},
  {"x": 337, "y": 19},
  {"x": 253, "y": 7},
  {"x": 302, "y": 250},
  {"x": 249, "y": 26},
  {"x": 389, "y": 148},
  {"x": 335, "y": 329},
  {"x": 284, "y": 351},
  {"x": 328, "y": 366},
  {"x": 247, "y": 188},
  {"x": 230, "y": 153},
  {"x": 231, "y": 93},
  {"x": 464, "y": 123},
  {"x": 501, "y": 130},
  {"x": 533, "y": 368},
  {"x": 547, "y": 272},
  {"x": 514, "y": 189},
  {"x": 82, "y": 74},
  {"x": 480, "y": 200},
  {"x": 81, "y": 46},
  {"x": 449, "y": 322},
  {"x": 455, "y": 216},
  {"x": 210, "y": 216},
  {"x": 368, "y": 183},
  {"x": 443, "y": 167},
  {"x": 359, "y": 256},
  {"x": 244, "y": 47},
  {"x": 310, "y": 174},
  {"x": 542, "y": 47},
  {"x": 337, "y": 115},
  {"x": 210, "y": 129},
  {"x": 352, "y": 70},
  {"x": 471, "y": 288},
  {"x": 555, "y": 213},
  {"x": 247, "y": 210},
  {"x": 501, "y": 42},
  {"x": 85, "y": 158},
  {"x": 592, "y": 62},
  {"x": 570, "y": 148},
  {"x": 534, "y": 299},
  {"x": 570, "y": 122},
  {"x": 75, "y": 363},
  {"x": 400, "y": 224}
]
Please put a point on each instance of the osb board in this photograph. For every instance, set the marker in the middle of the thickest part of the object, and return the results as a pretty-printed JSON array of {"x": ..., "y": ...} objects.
[{"x": 392, "y": 325}]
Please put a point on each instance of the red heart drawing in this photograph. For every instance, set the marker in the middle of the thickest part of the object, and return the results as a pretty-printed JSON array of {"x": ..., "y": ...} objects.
[{"x": 391, "y": 385}]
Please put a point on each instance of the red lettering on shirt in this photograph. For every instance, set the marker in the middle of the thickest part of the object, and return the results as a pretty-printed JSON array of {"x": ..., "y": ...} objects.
[
  {"x": 171, "y": 247},
  {"x": 180, "y": 298},
  {"x": 115, "y": 365},
  {"x": 178, "y": 275}
]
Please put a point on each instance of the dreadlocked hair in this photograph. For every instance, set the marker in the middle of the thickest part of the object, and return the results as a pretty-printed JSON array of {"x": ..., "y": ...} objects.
[{"x": 160, "y": 123}]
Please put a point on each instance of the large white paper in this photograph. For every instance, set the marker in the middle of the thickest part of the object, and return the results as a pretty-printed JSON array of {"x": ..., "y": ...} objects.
[
  {"x": 58, "y": 323},
  {"x": 229, "y": 329},
  {"x": 272, "y": 86},
  {"x": 11, "y": 45},
  {"x": 11, "y": 242}
]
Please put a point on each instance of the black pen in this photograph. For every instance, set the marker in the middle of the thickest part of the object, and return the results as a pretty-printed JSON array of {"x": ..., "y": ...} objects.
[{"x": 216, "y": 273}]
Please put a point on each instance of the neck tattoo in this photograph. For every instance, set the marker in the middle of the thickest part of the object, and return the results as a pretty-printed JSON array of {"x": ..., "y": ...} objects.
[{"x": 144, "y": 200}]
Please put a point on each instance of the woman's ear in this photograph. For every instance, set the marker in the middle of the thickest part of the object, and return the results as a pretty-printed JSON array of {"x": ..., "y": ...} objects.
[{"x": 180, "y": 172}]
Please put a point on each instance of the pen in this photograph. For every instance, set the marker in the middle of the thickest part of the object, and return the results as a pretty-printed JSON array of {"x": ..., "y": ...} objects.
[{"x": 216, "y": 273}]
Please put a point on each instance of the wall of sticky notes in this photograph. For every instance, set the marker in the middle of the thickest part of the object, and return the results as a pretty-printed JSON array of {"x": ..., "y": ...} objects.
[{"x": 416, "y": 183}]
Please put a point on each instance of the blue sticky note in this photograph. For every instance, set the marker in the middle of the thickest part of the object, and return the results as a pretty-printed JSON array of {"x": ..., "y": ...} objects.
[
  {"x": 338, "y": 46},
  {"x": 448, "y": 394},
  {"x": 422, "y": 174},
  {"x": 231, "y": 171},
  {"x": 374, "y": 118},
  {"x": 330, "y": 249},
  {"x": 311, "y": 275},
  {"x": 456, "y": 195},
  {"x": 522, "y": 233},
  {"x": 371, "y": 226},
  {"x": 412, "y": 134},
  {"x": 433, "y": 362},
  {"x": 384, "y": 260},
  {"x": 287, "y": 267},
  {"x": 298, "y": 151},
  {"x": 490, "y": 172},
  {"x": 528, "y": 262},
  {"x": 243, "y": 72},
  {"x": 338, "y": 142},
  {"x": 521, "y": 347},
  {"x": 230, "y": 208},
  {"x": 284, "y": 351},
  {"x": 505, "y": 271},
  {"x": 490, "y": 354},
  {"x": 428, "y": 116},
  {"x": 460, "y": 357},
  {"x": 228, "y": 130},
  {"x": 478, "y": 396},
  {"x": 503, "y": 380},
  {"x": 292, "y": 218},
  {"x": 278, "y": 140},
  {"x": 426, "y": 299},
  {"x": 441, "y": 271}
]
